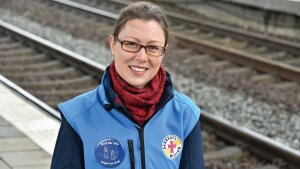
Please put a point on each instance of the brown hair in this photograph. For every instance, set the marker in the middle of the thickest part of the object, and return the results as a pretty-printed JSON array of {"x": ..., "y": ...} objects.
[{"x": 145, "y": 11}]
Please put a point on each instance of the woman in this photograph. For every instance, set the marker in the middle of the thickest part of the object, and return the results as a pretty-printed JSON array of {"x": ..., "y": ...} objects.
[{"x": 134, "y": 119}]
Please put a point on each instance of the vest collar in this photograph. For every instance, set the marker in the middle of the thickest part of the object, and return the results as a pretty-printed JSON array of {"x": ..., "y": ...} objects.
[{"x": 107, "y": 95}]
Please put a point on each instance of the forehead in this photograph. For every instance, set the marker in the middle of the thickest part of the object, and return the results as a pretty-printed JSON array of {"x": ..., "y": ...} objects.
[{"x": 143, "y": 30}]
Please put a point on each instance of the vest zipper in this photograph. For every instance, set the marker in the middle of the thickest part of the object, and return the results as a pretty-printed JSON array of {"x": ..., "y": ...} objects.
[
  {"x": 131, "y": 154},
  {"x": 141, "y": 136}
]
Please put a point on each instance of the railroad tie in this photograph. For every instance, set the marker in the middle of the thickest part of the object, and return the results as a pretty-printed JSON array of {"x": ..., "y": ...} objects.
[
  {"x": 4, "y": 39},
  {"x": 295, "y": 62},
  {"x": 286, "y": 85},
  {"x": 68, "y": 92},
  {"x": 177, "y": 27},
  {"x": 11, "y": 46},
  {"x": 29, "y": 67},
  {"x": 19, "y": 52},
  {"x": 227, "y": 40},
  {"x": 238, "y": 70},
  {"x": 266, "y": 78},
  {"x": 199, "y": 58},
  {"x": 69, "y": 82},
  {"x": 208, "y": 35},
  {"x": 23, "y": 59},
  {"x": 267, "y": 167},
  {"x": 261, "y": 49},
  {"x": 183, "y": 52},
  {"x": 54, "y": 73},
  {"x": 191, "y": 31},
  {"x": 220, "y": 64},
  {"x": 204, "y": 135},
  {"x": 226, "y": 153},
  {"x": 277, "y": 55},
  {"x": 239, "y": 45}
]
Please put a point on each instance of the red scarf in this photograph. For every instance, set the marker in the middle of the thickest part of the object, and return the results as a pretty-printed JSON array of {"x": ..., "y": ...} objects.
[{"x": 139, "y": 102}]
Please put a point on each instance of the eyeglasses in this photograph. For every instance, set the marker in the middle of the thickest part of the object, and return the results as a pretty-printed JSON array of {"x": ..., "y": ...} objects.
[{"x": 134, "y": 47}]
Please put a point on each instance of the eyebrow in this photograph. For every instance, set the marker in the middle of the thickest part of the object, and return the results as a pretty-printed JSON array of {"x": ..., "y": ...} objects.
[{"x": 151, "y": 41}]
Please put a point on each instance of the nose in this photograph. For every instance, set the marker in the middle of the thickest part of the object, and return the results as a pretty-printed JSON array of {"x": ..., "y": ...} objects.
[{"x": 141, "y": 55}]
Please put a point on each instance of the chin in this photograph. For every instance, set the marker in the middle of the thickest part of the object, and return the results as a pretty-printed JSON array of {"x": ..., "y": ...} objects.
[{"x": 138, "y": 85}]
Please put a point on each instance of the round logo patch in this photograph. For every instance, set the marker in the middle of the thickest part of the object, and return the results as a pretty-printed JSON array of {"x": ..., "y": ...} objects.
[
  {"x": 171, "y": 146},
  {"x": 110, "y": 153}
]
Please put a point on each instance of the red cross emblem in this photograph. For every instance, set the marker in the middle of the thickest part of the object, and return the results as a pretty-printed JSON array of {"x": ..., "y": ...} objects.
[{"x": 171, "y": 146}]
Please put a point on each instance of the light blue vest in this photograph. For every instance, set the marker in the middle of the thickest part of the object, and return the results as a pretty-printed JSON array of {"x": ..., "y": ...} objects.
[{"x": 111, "y": 140}]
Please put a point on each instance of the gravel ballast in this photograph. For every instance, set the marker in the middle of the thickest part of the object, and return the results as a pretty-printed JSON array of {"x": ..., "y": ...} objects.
[{"x": 235, "y": 107}]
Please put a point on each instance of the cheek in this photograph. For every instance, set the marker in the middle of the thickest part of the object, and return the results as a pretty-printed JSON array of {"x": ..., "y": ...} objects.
[
  {"x": 121, "y": 54},
  {"x": 156, "y": 62},
  {"x": 121, "y": 62},
  {"x": 120, "y": 68}
]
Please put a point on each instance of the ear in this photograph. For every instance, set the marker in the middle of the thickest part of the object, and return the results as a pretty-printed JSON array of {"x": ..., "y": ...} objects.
[
  {"x": 111, "y": 41},
  {"x": 166, "y": 47}
]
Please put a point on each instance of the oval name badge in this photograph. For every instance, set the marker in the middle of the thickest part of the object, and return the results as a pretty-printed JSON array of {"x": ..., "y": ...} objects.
[
  {"x": 171, "y": 146},
  {"x": 110, "y": 153}
]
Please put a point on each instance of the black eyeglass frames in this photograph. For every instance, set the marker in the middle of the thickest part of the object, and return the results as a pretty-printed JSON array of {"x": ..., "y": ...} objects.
[{"x": 134, "y": 47}]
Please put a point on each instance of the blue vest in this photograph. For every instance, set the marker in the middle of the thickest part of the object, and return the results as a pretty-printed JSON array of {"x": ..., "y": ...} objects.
[{"x": 111, "y": 140}]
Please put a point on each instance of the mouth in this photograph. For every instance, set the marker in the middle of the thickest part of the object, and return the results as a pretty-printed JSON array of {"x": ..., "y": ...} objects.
[{"x": 138, "y": 69}]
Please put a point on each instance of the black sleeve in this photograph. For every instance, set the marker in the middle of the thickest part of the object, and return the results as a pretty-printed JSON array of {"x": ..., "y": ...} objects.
[
  {"x": 68, "y": 152},
  {"x": 192, "y": 153}
]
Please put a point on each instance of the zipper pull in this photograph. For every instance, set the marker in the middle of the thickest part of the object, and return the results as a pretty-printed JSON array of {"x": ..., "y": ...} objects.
[{"x": 131, "y": 154}]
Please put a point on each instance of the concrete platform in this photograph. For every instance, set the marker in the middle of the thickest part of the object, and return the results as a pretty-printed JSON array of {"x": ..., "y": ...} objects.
[
  {"x": 267, "y": 20},
  {"x": 27, "y": 134},
  {"x": 286, "y": 6}
]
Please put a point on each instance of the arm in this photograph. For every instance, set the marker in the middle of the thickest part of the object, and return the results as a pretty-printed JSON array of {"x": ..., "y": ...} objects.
[
  {"x": 68, "y": 152},
  {"x": 192, "y": 153}
]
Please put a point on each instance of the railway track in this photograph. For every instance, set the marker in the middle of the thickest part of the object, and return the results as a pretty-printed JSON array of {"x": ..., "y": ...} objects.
[
  {"x": 200, "y": 56},
  {"x": 42, "y": 71},
  {"x": 54, "y": 74},
  {"x": 269, "y": 60},
  {"x": 258, "y": 76},
  {"x": 173, "y": 8},
  {"x": 267, "y": 54}
]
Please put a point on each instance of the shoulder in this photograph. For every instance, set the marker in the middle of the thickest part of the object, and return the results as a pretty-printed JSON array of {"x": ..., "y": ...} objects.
[
  {"x": 185, "y": 110},
  {"x": 187, "y": 103},
  {"x": 78, "y": 105}
]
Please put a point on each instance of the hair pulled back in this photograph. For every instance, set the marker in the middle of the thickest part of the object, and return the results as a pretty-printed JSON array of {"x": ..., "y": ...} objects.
[{"x": 142, "y": 10}]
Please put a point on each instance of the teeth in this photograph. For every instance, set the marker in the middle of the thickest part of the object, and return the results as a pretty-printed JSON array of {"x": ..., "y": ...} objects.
[{"x": 137, "y": 69}]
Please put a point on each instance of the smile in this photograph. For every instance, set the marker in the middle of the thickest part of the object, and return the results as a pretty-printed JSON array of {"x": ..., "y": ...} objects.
[{"x": 138, "y": 69}]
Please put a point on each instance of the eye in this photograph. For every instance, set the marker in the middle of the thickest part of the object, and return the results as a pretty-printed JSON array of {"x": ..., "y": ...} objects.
[
  {"x": 153, "y": 48},
  {"x": 131, "y": 44}
]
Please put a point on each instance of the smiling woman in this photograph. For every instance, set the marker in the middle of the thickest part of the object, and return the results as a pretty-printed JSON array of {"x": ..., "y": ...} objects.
[
  {"x": 137, "y": 65},
  {"x": 134, "y": 119}
]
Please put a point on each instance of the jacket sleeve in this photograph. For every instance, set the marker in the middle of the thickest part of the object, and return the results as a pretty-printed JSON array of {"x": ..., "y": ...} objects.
[
  {"x": 68, "y": 152},
  {"x": 192, "y": 153}
]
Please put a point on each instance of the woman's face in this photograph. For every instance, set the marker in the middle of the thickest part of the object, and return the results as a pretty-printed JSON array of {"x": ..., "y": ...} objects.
[{"x": 137, "y": 69}]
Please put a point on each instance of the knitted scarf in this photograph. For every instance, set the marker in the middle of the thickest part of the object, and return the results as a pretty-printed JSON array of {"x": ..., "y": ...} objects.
[{"x": 139, "y": 102}]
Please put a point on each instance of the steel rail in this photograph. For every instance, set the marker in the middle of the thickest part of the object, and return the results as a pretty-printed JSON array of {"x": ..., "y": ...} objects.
[
  {"x": 258, "y": 143},
  {"x": 66, "y": 55},
  {"x": 30, "y": 97},
  {"x": 255, "y": 140},
  {"x": 242, "y": 58},
  {"x": 88, "y": 9},
  {"x": 239, "y": 33},
  {"x": 267, "y": 146},
  {"x": 231, "y": 31},
  {"x": 282, "y": 70}
]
